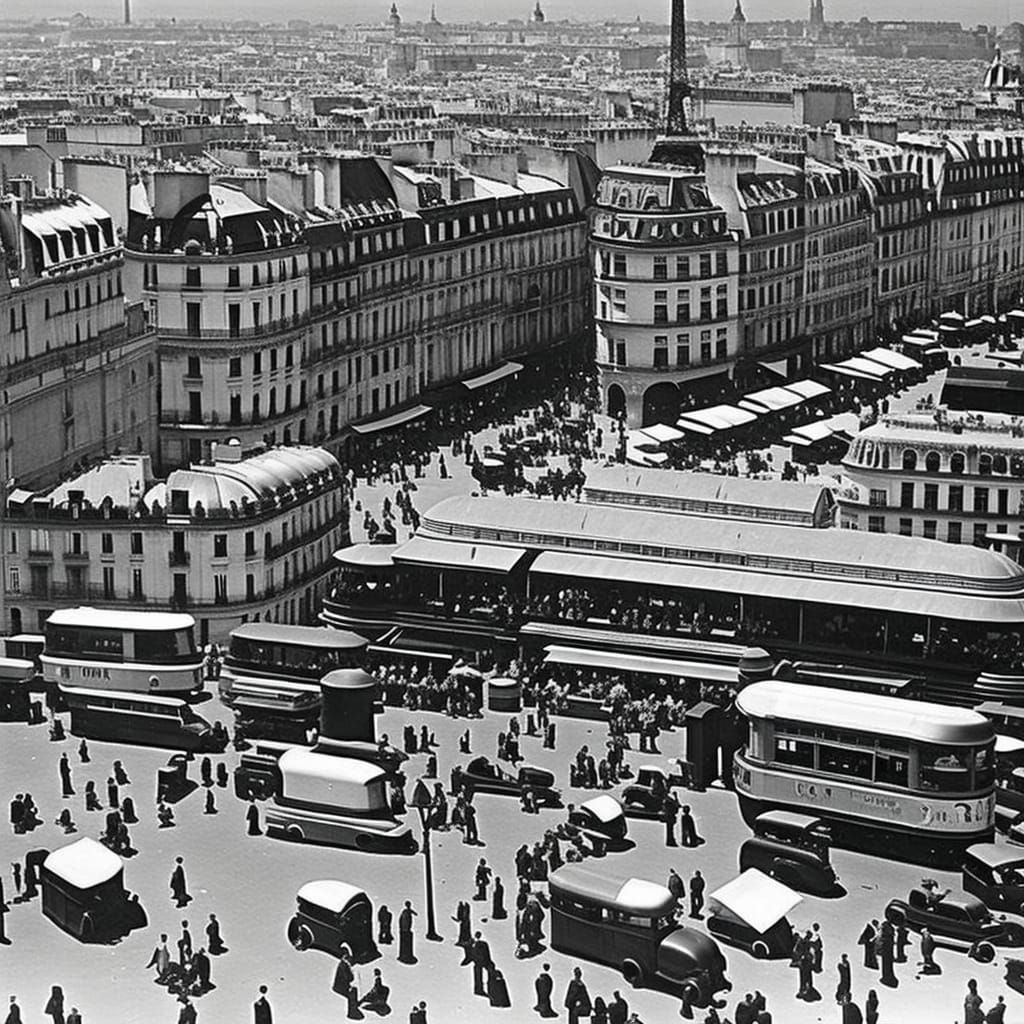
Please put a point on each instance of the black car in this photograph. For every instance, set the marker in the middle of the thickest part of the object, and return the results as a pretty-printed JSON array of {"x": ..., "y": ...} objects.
[
  {"x": 482, "y": 776},
  {"x": 793, "y": 849},
  {"x": 957, "y": 920}
]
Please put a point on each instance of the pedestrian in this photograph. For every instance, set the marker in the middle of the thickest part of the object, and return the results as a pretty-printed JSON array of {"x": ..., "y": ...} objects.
[
  {"x": 843, "y": 989},
  {"x": 92, "y": 801},
  {"x": 997, "y": 1013},
  {"x": 344, "y": 983},
  {"x": 113, "y": 794},
  {"x": 4, "y": 910},
  {"x": 688, "y": 828},
  {"x": 83, "y": 752},
  {"x": 871, "y": 1008},
  {"x": 210, "y": 806},
  {"x": 222, "y": 769},
  {"x": 805, "y": 968},
  {"x": 418, "y": 1013},
  {"x": 252, "y": 819},
  {"x": 470, "y": 837},
  {"x": 214, "y": 942},
  {"x": 66, "y": 789},
  {"x": 483, "y": 878},
  {"x": 480, "y": 957},
  {"x": 201, "y": 969},
  {"x": 675, "y": 886},
  {"x": 206, "y": 771},
  {"x": 179, "y": 887},
  {"x": 55, "y": 1004},
  {"x": 577, "y": 998},
  {"x": 497, "y": 989},
  {"x": 543, "y": 986},
  {"x": 670, "y": 812},
  {"x": 972, "y": 1004},
  {"x": 618, "y": 1009},
  {"x": 851, "y": 1012},
  {"x": 261, "y": 1012},
  {"x": 185, "y": 943},
  {"x": 128, "y": 814},
  {"x": 887, "y": 953},
  {"x": 817, "y": 948},
  {"x": 405, "y": 936},
  {"x": 697, "y": 894},
  {"x": 187, "y": 1013},
  {"x": 384, "y": 919},
  {"x": 120, "y": 775},
  {"x": 161, "y": 959},
  {"x": 13, "y": 1012},
  {"x": 164, "y": 815},
  {"x": 498, "y": 911},
  {"x": 376, "y": 998},
  {"x": 16, "y": 872},
  {"x": 928, "y": 964},
  {"x": 867, "y": 941},
  {"x": 902, "y": 941},
  {"x": 74, "y": 1017}
]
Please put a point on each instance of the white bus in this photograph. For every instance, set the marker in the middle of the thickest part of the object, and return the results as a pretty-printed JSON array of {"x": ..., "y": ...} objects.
[{"x": 141, "y": 652}]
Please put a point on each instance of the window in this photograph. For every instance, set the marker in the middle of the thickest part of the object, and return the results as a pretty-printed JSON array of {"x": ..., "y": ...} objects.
[
  {"x": 956, "y": 463},
  {"x": 136, "y": 544},
  {"x": 220, "y": 588},
  {"x": 906, "y": 495},
  {"x": 931, "y": 497},
  {"x": 721, "y": 264},
  {"x": 985, "y": 464},
  {"x": 980, "y": 529},
  {"x": 106, "y": 543},
  {"x": 137, "y": 591},
  {"x": 194, "y": 369},
  {"x": 890, "y": 769},
  {"x": 981, "y": 499},
  {"x": 250, "y": 587},
  {"x": 273, "y": 360},
  {"x": 193, "y": 318},
  {"x": 257, "y": 363},
  {"x": 799, "y": 753},
  {"x": 661, "y": 307},
  {"x": 906, "y": 527},
  {"x": 876, "y": 524},
  {"x": 193, "y": 277},
  {"x": 235, "y": 366},
  {"x": 15, "y": 579},
  {"x": 909, "y": 460},
  {"x": 878, "y": 498},
  {"x": 619, "y": 265},
  {"x": 233, "y": 277},
  {"x": 220, "y": 545},
  {"x": 843, "y": 761},
  {"x": 956, "y": 498},
  {"x": 108, "y": 582},
  {"x": 661, "y": 352},
  {"x": 660, "y": 268},
  {"x": 682, "y": 350},
  {"x": 682, "y": 268},
  {"x": 929, "y": 528},
  {"x": 954, "y": 533},
  {"x": 250, "y": 544},
  {"x": 705, "y": 264},
  {"x": 932, "y": 462}
]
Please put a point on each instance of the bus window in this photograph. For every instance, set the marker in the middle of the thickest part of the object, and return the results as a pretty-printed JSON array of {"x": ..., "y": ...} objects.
[
  {"x": 633, "y": 920},
  {"x": 857, "y": 764},
  {"x": 945, "y": 768},
  {"x": 891, "y": 768},
  {"x": 984, "y": 766},
  {"x": 795, "y": 752}
]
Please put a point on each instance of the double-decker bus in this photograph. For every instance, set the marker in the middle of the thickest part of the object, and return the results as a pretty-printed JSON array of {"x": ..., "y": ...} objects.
[
  {"x": 902, "y": 776},
  {"x": 142, "y": 652},
  {"x": 299, "y": 655}
]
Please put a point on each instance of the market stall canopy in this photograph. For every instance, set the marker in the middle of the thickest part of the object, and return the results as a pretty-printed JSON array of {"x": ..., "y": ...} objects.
[
  {"x": 848, "y": 371},
  {"x": 896, "y": 360},
  {"x": 755, "y": 899},
  {"x": 84, "y": 864},
  {"x": 661, "y": 433},
  {"x": 770, "y": 400},
  {"x": 394, "y": 420},
  {"x": 492, "y": 377},
  {"x": 867, "y": 366},
  {"x": 808, "y": 388},
  {"x": 719, "y": 417}
]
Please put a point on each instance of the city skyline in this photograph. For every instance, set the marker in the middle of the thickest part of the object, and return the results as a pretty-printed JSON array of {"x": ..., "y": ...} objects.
[{"x": 992, "y": 12}]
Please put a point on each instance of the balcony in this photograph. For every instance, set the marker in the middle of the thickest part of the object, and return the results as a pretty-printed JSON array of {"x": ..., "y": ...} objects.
[
  {"x": 76, "y": 557},
  {"x": 179, "y": 559},
  {"x": 287, "y": 323}
]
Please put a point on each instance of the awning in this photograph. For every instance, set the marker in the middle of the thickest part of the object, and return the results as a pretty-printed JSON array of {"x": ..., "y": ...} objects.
[
  {"x": 395, "y": 420},
  {"x": 695, "y": 428},
  {"x": 770, "y": 400},
  {"x": 808, "y": 388},
  {"x": 809, "y": 433},
  {"x": 449, "y": 554},
  {"x": 1002, "y": 537},
  {"x": 756, "y": 900},
  {"x": 1008, "y": 744},
  {"x": 507, "y": 370},
  {"x": 896, "y": 360},
  {"x": 662, "y": 433},
  {"x": 366, "y": 555},
  {"x": 19, "y": 497},
  {"x": 1018, "y": 313},
  {"x": 751, "y": 583},
  {"x": 867, "y": 366},
  {"x": 780, "y": 367},
  {"x": 719, "y": 417},
  {"x": 847, "y": 371},
  {"x": 557, "y": 655}
]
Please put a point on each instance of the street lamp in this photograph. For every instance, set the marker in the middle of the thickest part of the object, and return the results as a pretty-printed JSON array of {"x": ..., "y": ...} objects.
[{"x": 421, "y": 801}]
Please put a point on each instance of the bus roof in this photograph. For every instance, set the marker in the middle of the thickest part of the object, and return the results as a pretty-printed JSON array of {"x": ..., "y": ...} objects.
[
  {"x": 121, "y": 695},
  {"x": 300, "y": 761},
  {"x": 112, "y": 618},
  {"x": 300, "y": 636},
  {"x": 22, "y": 665},
  {"x": 330, "y": 894},
  {"x": 633, "y": 895},
  {"x": 867, "y": 712}
]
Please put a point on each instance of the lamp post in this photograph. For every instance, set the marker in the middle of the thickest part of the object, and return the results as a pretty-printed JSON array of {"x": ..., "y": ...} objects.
[{"x": 421, "y": 801}]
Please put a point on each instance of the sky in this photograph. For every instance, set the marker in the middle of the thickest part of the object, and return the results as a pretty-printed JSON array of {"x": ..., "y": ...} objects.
[{"x": 998, "y": 12}]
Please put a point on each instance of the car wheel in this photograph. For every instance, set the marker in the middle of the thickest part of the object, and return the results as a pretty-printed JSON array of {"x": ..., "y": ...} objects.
[
  {"x": 760, "y": 950},
  {"x": 294, "y": 833},
  {"x": 895, "y": 915},
  {"x": 690, "y": 992},
  {"x": 633, "y": 973},
  {"x": 984, "y": 953},
  {"x": 299, "y": 935}
]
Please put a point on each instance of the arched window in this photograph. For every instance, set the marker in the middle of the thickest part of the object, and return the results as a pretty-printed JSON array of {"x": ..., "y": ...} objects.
[
  {"x": 885, "y": 458},
  {"x": 909, "y": 459},
  {"x": 999, "y": 464},
  {"x": 957, "y": 463},
  {"x": 985, "y": 464},
  {"x": 932, "y": 462},
  {"x": 1017, "y": 465}
]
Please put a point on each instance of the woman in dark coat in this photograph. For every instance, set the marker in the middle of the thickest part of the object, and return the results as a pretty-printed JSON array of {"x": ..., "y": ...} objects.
[
  {"x": 55, "y": 1005},
  {"x": 497, "y": 989}
]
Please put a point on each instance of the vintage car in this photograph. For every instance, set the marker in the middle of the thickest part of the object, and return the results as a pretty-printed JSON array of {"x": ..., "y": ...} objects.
[
  {"x": 483, "y": 776},
  {"x": 644, "y": 796},
  {"x": 793, "y": 849},
  {"x": 750, "y": 912},
  {"x": 331, "y": 914},
  {"x": 602, "y": 822},
  {"x": 956, "y": 920},
  {"x": 995, "y": 874}
]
